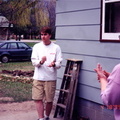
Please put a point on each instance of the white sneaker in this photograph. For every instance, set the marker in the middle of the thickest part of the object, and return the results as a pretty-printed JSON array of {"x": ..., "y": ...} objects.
[{"x": 41, "y": 119}]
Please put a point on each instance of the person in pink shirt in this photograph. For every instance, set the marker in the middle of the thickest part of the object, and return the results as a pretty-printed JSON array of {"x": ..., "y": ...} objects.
[{"x": 110, "y": 88}]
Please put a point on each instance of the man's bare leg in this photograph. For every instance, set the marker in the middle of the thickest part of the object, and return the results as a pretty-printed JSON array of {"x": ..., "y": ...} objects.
[
  {"x": 48, "y": 108},
  {"x": 40, "y": 108}
]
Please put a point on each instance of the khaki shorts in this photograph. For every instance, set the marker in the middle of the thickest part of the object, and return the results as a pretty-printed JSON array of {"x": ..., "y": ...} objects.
[{"x": 43, "y": 89}]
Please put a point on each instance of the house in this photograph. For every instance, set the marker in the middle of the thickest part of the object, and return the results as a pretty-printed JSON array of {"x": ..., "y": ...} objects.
[
  {"x": 4, "y": 23},
  {"x": 89, "y": 30}
]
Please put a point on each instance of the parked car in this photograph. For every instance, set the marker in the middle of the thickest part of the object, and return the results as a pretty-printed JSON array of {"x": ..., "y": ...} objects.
[{"x": 14, "y": 50}]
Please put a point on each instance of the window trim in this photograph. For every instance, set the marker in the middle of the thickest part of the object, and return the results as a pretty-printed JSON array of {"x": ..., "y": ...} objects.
[{"x": 103, "y": 36}]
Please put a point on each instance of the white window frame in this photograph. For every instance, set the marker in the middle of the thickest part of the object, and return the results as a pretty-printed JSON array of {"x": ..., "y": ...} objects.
[{"x": 108, "y": 36}]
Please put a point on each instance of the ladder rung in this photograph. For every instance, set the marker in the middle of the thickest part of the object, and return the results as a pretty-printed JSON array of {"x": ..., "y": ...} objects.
[
  {"x": 67, "y": 91},
  {"x": 61, "y": 105},
  {"x": 67, "y": 75},
  {"x": 75, "y": 60}
]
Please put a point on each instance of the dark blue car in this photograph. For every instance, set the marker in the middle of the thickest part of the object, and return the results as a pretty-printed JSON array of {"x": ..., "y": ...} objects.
[{"x": 14, "y": 50}]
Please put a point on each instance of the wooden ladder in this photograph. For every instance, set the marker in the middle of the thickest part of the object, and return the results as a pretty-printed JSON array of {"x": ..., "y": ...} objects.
[{"x": 67, "y": 92}]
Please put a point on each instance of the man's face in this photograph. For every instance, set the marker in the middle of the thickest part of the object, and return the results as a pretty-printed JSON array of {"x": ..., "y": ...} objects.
[{"x": 45, "y": 37}]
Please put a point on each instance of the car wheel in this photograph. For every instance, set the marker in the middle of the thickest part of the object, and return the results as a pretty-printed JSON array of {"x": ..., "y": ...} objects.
[{"x": 5, "y": 59}]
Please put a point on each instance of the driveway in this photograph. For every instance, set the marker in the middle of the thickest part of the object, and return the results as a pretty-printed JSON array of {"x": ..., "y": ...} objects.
[{"x": 20, "y": 111}]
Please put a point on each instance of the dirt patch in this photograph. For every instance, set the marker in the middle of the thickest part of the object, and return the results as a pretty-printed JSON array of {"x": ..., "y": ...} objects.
[
  {"x": 18, "y": 73},
  {"x": 6, "y": 99},
  {"x": 18, "y": 111},
  {"x": 14, "y": 107},
  {"x": 21, "y": 111}
]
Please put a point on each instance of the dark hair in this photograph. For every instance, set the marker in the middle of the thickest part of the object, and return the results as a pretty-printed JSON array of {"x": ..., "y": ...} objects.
[{"x": 46, "y": 30}]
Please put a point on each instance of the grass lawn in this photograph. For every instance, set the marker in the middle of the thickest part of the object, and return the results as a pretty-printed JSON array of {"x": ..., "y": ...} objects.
[
  {"x": 25, "y": 66},
  {"x": 16, "y": 90},
  {"x": 19, "y": 91},
  {"x": 31, "y": 44}
]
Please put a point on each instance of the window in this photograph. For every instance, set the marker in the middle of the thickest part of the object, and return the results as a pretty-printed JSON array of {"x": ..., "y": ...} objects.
[
  {"x": 4, "y": 46},
  {"x": 12, "y": 46},
  {"x": 22, "y": 46},
  {"x": 110, "y": 28}
]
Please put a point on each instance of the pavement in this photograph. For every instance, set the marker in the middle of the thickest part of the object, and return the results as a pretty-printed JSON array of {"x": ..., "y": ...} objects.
[
  {"x": 23, "y": 111},
  {"x": 24, "y": 115}
]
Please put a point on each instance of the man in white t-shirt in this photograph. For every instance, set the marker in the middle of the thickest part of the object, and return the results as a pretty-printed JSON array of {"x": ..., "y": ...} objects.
[{"x": 46, "y": 58}]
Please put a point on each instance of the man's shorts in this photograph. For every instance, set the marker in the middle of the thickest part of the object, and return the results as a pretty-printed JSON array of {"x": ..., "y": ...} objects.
[{"x": 43, "y": 89}]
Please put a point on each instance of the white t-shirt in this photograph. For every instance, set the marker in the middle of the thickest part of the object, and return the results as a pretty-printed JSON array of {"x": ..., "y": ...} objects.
[{"x": 52, "y": 53}]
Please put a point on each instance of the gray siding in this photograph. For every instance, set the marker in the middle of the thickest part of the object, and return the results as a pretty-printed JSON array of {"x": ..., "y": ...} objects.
[{"x": 78, "y": 34}]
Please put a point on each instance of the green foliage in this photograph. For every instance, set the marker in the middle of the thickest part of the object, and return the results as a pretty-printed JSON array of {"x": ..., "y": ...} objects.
[
  {"x": 28, "y": 16},
  {"x": 17, "y": 11},
  {"x": 41, "y": 15}
]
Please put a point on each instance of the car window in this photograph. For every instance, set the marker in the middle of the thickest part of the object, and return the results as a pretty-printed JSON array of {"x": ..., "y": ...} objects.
[
  {"x": 12, "y": 46},
  {"x": 1, "y": 43},
  {"x": 22, "y": 46},
  {"x": 4, "y": 46}
]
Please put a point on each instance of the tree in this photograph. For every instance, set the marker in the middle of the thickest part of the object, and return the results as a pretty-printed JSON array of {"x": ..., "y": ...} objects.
[
  {"x": 51, "y": 10},
  {"x": 27, "y": 15},
  {"x": 17, "y": 12},
  {"x": 45, "y": 14}
]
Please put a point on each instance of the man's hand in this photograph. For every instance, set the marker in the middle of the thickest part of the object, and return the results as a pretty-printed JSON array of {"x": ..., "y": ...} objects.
[
  {"x": 52, "y": 64},
  {"x": 43, "y": 59}
]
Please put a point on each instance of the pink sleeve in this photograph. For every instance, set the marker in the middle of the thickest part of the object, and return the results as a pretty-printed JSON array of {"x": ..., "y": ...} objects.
[{"x": 111, "y": 95}]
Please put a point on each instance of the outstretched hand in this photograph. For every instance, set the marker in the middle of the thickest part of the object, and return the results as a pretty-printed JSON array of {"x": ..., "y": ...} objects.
[
  {"x": 100, "y": 72},
  {"x": 102, "y": 76}
]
